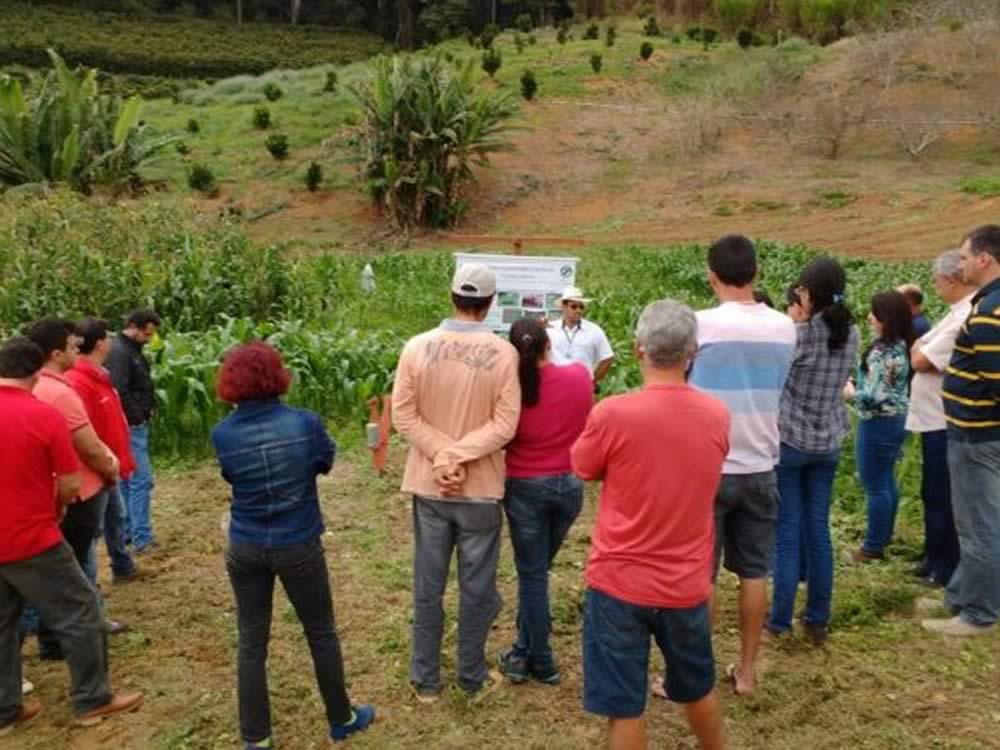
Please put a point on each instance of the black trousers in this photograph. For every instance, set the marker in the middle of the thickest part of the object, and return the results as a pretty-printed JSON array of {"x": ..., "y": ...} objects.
[{"x": 303, "y": 574}]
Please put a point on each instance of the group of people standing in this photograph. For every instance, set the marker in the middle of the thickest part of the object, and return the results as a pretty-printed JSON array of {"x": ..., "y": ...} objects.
[
  {"x": 76, "y": 403},
  {"x": 726, "y": 456}
]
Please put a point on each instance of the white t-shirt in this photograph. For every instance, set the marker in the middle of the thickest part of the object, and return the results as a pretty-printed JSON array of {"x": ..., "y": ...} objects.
[
  {"x": 745, "y": 352},
  {"x": 926, "y": 412},
  {"x": 586, "y": 343}
]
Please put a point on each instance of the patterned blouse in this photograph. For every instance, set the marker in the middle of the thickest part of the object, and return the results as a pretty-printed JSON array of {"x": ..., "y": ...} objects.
[{"x": 884, "y": 389}]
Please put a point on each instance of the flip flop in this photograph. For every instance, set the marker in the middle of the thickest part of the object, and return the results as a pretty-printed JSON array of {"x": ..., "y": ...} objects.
[
  {"x": 657, "y": 689},
  {"x": 732, "y": 673}
]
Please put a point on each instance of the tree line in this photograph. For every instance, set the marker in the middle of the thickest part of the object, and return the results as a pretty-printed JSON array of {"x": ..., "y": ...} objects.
[{"x": 407, "y": 23}]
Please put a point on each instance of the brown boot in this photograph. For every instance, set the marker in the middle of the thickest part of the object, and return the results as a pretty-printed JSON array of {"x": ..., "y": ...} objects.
[
  {"x": 25, "y": 712},
  {"x": 120, "y": 703}
]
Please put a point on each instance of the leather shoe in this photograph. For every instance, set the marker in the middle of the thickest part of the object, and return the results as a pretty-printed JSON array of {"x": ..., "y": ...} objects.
[
  {"x": 113, "y": 627},
  {"x": 120, "y": 703}
]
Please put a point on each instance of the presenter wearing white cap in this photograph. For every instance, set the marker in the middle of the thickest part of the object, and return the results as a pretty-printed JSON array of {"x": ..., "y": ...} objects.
[{"x": 577, "y": 340}]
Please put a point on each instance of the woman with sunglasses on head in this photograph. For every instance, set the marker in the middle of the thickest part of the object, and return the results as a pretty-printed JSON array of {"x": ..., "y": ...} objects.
[
  {"x": 881, "y": 395},
  {"x": 813, "y": 422},
  {"x": 543, "y": 497}
]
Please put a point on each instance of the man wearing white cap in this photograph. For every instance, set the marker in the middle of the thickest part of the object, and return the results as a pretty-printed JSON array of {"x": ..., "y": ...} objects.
[
  {"x": 456, "y": 400},
  {"x": 577, "y": 340}
]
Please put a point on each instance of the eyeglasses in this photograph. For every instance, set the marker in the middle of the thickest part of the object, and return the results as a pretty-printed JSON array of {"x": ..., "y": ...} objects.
[{"x": 576, "y": 306}]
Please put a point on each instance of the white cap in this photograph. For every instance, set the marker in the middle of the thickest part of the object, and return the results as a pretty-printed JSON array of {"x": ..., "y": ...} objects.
[
  {"x": 574, "y": 294},
  {"x": 474, "y": 280}
]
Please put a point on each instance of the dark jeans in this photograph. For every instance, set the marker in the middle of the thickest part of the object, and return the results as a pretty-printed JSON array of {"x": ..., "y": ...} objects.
[
  {"x": 939, "y": 523},
  {"x": 540, "y": 511},
  {"x": 879, "y": 442},
  {"x": 79, "y": 528},
  {"x": 54, "y": 584},
  {"x": 974, "y": 589},
  {"x": 805, "y": 485},
  {"x": 115, "y": 519},
  {"x": 439, "y": 527},
  {"x": 303, "y": 573}
]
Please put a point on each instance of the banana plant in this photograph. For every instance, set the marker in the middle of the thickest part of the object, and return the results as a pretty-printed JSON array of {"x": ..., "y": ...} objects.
[{"x": 68, "y": 132}]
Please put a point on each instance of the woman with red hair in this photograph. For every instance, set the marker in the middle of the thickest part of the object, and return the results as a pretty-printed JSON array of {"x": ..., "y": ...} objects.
[{"x": 270, "y": 454}]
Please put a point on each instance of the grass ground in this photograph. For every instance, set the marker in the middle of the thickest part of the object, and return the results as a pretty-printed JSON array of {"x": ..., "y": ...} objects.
[{"x": 880, "y": 683}]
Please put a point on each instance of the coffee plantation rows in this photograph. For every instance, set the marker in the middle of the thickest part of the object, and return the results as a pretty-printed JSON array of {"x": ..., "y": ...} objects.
[
  {"x": 215, "y": 288},
  {"x": 172, "y": 47}
]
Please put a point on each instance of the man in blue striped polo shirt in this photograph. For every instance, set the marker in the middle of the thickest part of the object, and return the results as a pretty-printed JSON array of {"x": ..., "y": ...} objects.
[{"x": 972, "y": 408}]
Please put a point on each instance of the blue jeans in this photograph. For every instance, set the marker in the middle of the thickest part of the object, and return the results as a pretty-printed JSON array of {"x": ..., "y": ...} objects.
[
  {"x": 137, "y": 490},
  {"x": 879, "y": 442},
  {"x": 805, "y": 484},
  {"x": 935, "y": 491},
  {"x": 974, "y": 589},
  {"x": 540, "y": 511},
  {"x": 113, "y": 529}
]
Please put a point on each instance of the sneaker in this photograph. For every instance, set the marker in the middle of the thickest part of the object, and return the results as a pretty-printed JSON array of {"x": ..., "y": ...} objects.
[
  {"x": 956, "y": 626},
  {"x": 27, "y": 686},
  {"x": 133, "y": 575},
  {"x": 550, "y": 676},
  {"x": 361, "y": 718},
  {"x": 113, "y": 627},
  {"x": 514, "y": 668},
  {"x": 26, "y": 712},
  {"x": 120, "y": 703},
  {"x": 147, "y": 549},
  {"x": 425, "y": 695},
  {"x": 265, "y": 744}
]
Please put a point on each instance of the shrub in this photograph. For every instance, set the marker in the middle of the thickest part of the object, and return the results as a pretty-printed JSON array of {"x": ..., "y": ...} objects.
[
  {"x": 492, "y": 60},
  {"x": 646, "y": 8},
  {"x": 471, "y": 38},
  {"x": 593, "y": 32},
  {"x": 709, "y": 35},
  {"x": 277, "y": 145},
  {"x": 193, "y": 126},
  {"x": 984, "y": 187},
  {"x": 519, "y": 43},
  {"x": 330, "y": 86},
  {"x": 596, "y": 61},
  {"x": 610, "y": 35},
  {"x": 524, "y": 23},
  {"x": 646, "y": 50},
  {"x": 422, "y": 101},
  {"x": 261, "y": 118},
  {"x": 652, "y": 27},
  {"x": 693, "y": 33},
  {"x": 272, "y": 91},
  {"x": 529, "y": 86},
  {"x": 562, "y": 35},
  {"x": 532, "y": 40},
  {"x": 489, "y": 35},
  {"x": 182, "y": 148},
  {"x": 314, "y": 177},
  {"x": 745, "y": 38},
  {"x": 202, "y": 178}
]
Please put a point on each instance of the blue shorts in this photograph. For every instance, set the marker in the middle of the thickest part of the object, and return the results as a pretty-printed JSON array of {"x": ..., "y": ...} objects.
[{"x": 616, "y": 654}]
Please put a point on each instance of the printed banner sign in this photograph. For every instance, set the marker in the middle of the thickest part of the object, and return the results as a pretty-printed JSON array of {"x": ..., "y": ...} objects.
[{"x": 527, "y": 286}]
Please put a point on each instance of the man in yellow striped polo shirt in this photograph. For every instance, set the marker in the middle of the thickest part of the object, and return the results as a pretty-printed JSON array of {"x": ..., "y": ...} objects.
[{"x": 972, "y": 408}]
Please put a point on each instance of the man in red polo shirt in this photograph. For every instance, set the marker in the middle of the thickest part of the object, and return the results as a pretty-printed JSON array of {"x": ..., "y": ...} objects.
[
  {"x": 659, "y": 452},
  {"x": 99, "y": 467},
  {"x": 39, "y": 476},
  {"x": 104, "y": 408}
]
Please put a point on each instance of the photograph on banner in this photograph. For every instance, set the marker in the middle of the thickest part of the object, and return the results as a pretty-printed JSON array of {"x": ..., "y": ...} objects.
[{"x": 527, "y": 286}]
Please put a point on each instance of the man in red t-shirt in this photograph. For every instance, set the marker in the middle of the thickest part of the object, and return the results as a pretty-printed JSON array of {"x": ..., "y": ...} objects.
[
  {"x": 39, "y": 476},
  {"x": 660, "y": 452},
  {"x": 92, "y": 384}
]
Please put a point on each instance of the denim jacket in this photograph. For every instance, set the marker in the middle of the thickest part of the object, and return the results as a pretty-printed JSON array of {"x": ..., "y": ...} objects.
[{"x": 270, "y": 454}]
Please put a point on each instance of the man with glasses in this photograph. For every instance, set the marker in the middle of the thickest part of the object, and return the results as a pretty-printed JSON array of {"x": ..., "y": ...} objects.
[{"x": 577, "y": 340}]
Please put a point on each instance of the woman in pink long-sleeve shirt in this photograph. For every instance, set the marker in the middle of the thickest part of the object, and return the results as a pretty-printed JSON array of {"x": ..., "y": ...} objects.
[{"x": 543, "y": 497}]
